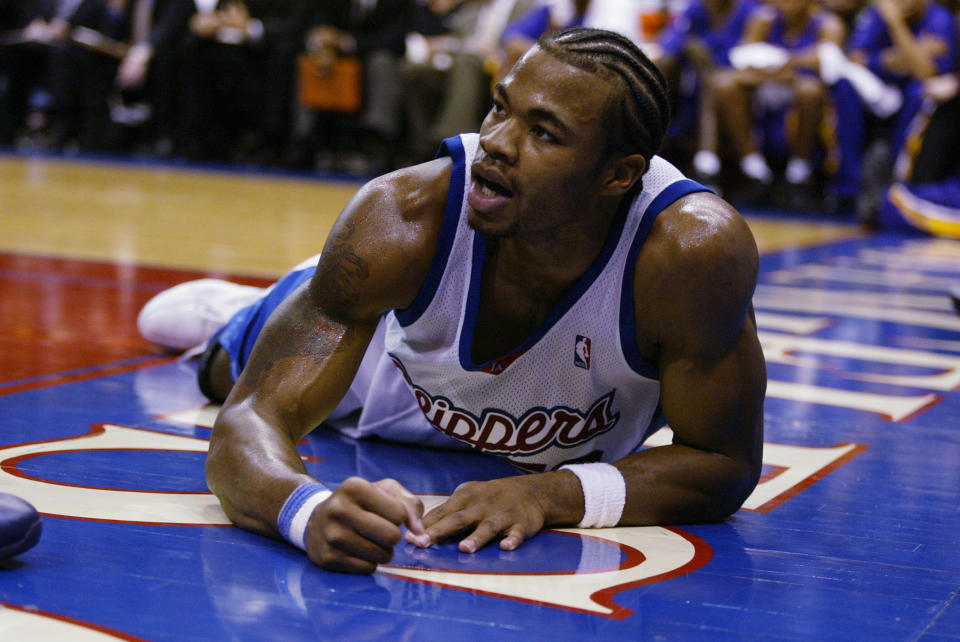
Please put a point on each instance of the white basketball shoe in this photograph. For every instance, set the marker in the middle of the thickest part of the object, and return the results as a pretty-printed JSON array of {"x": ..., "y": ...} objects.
[{"x": 186, "y": 315}]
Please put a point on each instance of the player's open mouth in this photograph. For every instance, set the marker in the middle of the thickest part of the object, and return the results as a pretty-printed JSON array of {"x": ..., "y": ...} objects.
[{"x": 490, "y": 189}]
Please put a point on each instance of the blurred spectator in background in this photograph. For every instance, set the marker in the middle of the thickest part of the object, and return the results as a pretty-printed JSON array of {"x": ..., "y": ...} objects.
[
  {"x": 373, "y": 32},
  {"x": 233, "y": 90},
  {"x": 449, "y": 69},
  {"x": 903, "y": 43},
  {"x": 29, "y": 32},
  {"x": 926, "y": 188},
  {"x": 846, "y": 10},
  {"x": 522, "y": 33},
  {"x": 694, "y": 45},
  {"x": 774, "y": 71},
  {"x": 225, "y": 80},
  {"x": 118, "y": 71}
]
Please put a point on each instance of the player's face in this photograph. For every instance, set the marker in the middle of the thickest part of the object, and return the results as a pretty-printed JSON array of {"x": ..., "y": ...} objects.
[
  {"x": 794, "y": 9},
  {"x": 912, "y": 9},
  {"x": 842, "y": 7},
  {"x": 542, "y": 149}
]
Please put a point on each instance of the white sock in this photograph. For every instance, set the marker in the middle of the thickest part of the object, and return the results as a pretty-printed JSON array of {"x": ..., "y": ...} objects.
[
  {"x": 706, "y": 163},
  {"x": 798, "y": 171},
  {"x": 754, "y": 166}
]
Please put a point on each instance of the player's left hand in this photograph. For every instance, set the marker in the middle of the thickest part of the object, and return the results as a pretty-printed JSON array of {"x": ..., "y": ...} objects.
[{"x": 511, "y": 508}]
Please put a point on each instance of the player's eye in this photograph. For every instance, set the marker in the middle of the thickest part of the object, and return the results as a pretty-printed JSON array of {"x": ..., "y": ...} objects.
[{"x": 542, "y": 133}]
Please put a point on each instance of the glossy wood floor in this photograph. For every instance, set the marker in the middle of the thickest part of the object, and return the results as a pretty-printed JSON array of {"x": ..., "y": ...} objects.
[
  {"x": 184, "y": 218},
  {"x": 852, "y": 533},
  {"x": 207, "y": 220}
]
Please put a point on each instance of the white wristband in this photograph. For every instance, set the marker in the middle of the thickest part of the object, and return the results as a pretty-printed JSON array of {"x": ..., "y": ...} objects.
[
  {"x": 604, "y": 494},
  {"x": 296, "y": 511}
]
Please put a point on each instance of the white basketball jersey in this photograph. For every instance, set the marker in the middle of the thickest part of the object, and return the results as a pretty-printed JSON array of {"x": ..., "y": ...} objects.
[{"x": 577, "y": 390}]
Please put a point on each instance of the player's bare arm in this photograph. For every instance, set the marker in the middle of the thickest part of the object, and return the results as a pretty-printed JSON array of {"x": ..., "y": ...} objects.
[
  {"x": 909, "y": 55},
  {"x": 694, "y": 284},
  {"x": 304, "y": 361}
]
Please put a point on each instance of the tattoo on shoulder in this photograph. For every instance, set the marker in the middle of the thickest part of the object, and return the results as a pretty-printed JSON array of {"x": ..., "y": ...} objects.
[
  {"x": 321, "y": 327},
  {"x": 343, "y": 270},
  {"x": 314, "y": 336}
]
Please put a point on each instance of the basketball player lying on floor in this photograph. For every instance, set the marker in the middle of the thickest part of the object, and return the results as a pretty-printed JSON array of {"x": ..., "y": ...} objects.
[{"x": 550, "y": 292}]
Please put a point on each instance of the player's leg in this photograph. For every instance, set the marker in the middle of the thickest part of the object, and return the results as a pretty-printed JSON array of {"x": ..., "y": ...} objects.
[
  {"x": 733, "y": 92},
  {"x": 187, "y": 315},
  {"x": 809, "y": 101},
  {"x": 223, "y": 316}
]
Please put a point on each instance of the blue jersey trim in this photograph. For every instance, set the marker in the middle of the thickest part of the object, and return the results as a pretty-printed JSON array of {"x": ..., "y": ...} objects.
[
  {"x": 562, "y": 306},
  {"x": 628, "y": 320},
  {"x": 452, "y": 147},
  {"x": 240, "y": 333}
]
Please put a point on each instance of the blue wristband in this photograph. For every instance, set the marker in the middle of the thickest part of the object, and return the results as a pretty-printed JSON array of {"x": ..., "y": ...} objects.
[{"x": 295, "y": 514}]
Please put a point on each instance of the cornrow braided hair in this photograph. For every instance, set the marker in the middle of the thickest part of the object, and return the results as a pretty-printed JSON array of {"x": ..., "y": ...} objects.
[{"x": 641, "y": 111}]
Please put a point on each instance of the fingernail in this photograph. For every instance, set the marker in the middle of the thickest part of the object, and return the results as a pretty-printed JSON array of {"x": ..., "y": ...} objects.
[
  {"x": 423, "y": 541},
  {"x": 467, "y": 546}
]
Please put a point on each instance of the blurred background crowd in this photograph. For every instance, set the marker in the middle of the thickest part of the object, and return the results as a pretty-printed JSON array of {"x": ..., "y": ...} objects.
[{"x": 813, "y": 104}]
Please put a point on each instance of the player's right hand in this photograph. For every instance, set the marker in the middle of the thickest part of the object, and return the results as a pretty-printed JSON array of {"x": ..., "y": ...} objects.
[{"x": 356, "y": 528}]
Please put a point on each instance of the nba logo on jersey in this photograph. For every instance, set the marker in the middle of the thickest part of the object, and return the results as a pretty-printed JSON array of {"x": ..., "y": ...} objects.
[{"x": 581, "y": 352}]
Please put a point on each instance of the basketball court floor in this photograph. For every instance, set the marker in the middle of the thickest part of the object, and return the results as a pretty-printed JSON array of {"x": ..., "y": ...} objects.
[{"x": 852, "y": 534}]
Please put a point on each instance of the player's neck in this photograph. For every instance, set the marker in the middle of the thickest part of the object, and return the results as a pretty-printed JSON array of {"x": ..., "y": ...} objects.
[{"x": 559, "y": 255}]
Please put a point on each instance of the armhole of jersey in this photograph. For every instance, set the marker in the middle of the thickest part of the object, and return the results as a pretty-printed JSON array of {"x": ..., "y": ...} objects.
[
  {"x": 452, "y": 147},
  {"x": 628, "y": 321}
]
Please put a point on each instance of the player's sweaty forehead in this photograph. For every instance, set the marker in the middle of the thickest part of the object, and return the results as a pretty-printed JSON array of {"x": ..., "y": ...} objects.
[{"x": 542, "y": 85}]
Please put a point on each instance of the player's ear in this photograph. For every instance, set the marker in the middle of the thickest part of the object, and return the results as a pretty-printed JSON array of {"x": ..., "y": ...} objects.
[{"x": 622, "y": 174}]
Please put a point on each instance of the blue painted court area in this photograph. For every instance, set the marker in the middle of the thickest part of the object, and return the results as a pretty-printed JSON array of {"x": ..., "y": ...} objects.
[{"x": 853, "y": 532}]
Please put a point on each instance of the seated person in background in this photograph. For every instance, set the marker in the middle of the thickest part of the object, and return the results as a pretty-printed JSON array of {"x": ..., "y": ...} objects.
[
  {"x": 777, "y": 64},
  {"x": 549, "y": 291},
  {"x": 903, "y": 43},
  {"x": 926, "y": 190},
  {"x": 29, "y": 32},
  {"x": 523, "y": 32},
  {"x": 699, "y": 39},
  {"x": 447, "y": 77},
  {"x": 231, "y": 94},
  {"x": 846, "y": 10},
  {"x": 120, "y": 50},
  {"x": 374, "y": 32}
]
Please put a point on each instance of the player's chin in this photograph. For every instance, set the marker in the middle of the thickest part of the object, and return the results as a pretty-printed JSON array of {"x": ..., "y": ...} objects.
[{"x": 493, "y": 225}]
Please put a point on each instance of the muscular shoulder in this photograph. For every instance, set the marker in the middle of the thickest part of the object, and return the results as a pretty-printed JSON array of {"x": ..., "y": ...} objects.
[
  {"x": 694, "y": 277},
  {"x": 380, "y": 249}
]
